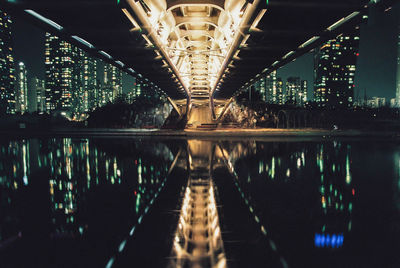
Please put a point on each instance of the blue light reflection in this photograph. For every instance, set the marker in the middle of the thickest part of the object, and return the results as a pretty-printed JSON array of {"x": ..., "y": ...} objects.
[{"x": 328, "y": 241}]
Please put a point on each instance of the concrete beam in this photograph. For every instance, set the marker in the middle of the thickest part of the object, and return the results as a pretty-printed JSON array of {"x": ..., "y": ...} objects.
[
  {"x": 175, "y": 106},
  {"x": 196, "y": 20},
  {"x": 172, "y": 4},
  {"x": 223, "y": 113}
]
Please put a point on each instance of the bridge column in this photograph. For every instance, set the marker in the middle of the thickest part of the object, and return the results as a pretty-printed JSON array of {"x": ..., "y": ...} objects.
[
  {"x": 212, "y": 108},
  {"x": 224, "y": 110},
  {"x": 175, "y": 106},
  {"x": 188, "y": 105}
]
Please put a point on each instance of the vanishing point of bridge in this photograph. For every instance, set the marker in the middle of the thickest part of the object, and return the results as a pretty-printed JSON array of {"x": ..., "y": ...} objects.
[{"x": 197, "y": 42}]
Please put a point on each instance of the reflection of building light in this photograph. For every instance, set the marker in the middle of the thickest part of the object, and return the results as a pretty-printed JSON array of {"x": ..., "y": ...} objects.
[
  {"x": 323, "y": 201},
  {"x": 140, "y": 173},
  {"x": 110, "y": 263},
  {"x": 25, "y": 160},
  {"x": 138, "y": 196},
  {"x": 348, "y": 174},
  {"x": 328, "y": 241},
  {"x": 263, "y": 230},
  {"x": 321, "y": 164},
  {"x": 273, "y": 168}
]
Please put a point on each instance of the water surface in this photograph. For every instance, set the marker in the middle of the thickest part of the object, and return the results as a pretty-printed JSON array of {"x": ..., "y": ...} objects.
[{"x": 118, "y": 202}]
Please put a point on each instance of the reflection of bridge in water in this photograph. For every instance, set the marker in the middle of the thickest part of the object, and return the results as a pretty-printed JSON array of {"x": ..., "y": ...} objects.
[
  {"x": 232, "y": 202},
  {"x": 198, "y": 241},
  {"x": 198, "y": 238}
]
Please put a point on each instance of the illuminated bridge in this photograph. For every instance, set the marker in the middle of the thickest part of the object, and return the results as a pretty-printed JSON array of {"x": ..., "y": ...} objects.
[{"x": 201, "y": 53}]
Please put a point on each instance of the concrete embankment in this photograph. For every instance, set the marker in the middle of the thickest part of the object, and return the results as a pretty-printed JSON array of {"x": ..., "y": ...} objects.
[{"x": 194, "y": 133}]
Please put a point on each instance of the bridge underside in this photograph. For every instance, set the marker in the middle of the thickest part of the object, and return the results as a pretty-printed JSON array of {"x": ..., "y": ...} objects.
[
  {"x": 197, "y": 42},
  {"x": 200, "y": 43},
  {"x": 196, "y": 50}
]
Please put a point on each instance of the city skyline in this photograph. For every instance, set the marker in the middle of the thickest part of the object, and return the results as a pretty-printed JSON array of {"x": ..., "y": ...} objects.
[
  {"x": 335, "y": 67},
  {"x": 302, "y": 67},
  {"x": 72, "y": 80},
  {"x": 377, "y": 62},
  {"x": 379, "y": 25},
  {"x": 7, "y": 66},
  {"x": 33, "y": 56}
]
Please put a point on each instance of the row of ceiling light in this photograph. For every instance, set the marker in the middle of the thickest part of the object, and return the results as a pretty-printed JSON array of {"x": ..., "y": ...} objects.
[{"x": 193, "y": 64}]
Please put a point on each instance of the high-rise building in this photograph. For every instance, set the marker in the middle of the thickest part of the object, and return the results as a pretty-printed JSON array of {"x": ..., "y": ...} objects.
[
  {"x": 85, "y": 77},
  {"x": 7, "y": 69},
  {"x": 138, "y": 88},
  {"x": 398, "y": 70},
  {"x": 38, "y": 90},
  {"x": 71, "y": 77},
  {"x": 302, "y": 96},
  {"x": 393, "y": 103},
  {"x": 61, "y": 81},
  {"x": 105, "y": 95},
  {"x": 113, "y": 80},
  {"x": 259, "y": 87},
  {"x": 334, "y": 71},
  {"x": 90, "y": 85},
  {"x": 272, "y": 94},
  {"x": 146, "y": 89},
  {"x": 268, "y": 89},
  {"x": 134, "y": 92},
  {"x": 22, "y": 89},
  {"x": 293, "y": 89},
  {"x": 279, "y": 90},
  {"x": 130, "y": 97},
  {"x": 376, "y": 102}
]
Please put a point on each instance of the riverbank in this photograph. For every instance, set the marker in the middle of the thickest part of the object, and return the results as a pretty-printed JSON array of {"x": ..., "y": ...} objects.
[{"x": 193, "y": 133}]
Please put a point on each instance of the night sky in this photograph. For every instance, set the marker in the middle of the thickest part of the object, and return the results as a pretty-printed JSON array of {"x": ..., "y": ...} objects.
[{"x": 375, "y": 73}]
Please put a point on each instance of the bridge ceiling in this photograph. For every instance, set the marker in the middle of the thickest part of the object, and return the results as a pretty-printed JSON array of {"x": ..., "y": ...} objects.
[
  {"x": 186, "y": 42},
  {"x": 196, "y": 39}
]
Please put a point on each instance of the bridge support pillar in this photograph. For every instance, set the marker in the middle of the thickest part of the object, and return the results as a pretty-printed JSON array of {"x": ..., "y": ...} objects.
[
  {"x": 188, "y": 106},
  {"x": 224, "y": 110},
  {"x": 212, "y": 108},
  {"x": 175, "y": 106}
]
